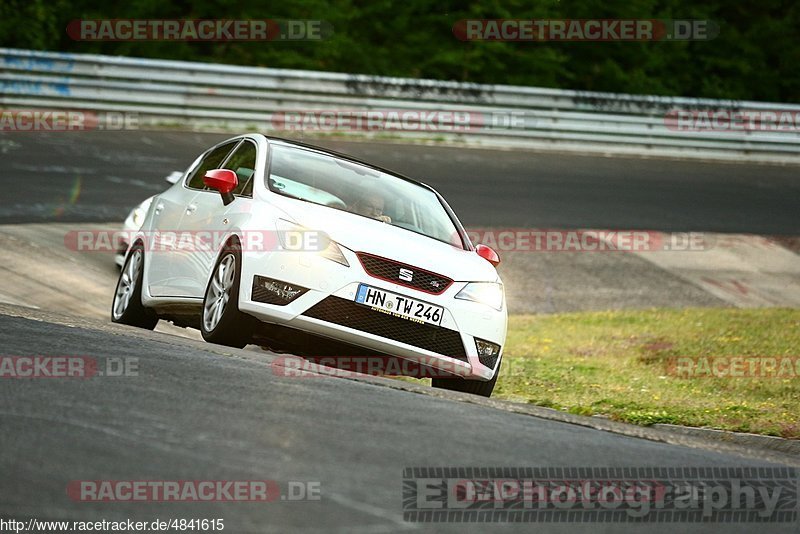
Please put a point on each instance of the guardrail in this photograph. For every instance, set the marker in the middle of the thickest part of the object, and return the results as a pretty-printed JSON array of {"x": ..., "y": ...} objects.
[{"x": 201, "y": 95}]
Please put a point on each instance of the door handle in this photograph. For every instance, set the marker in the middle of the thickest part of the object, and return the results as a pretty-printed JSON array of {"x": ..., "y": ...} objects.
[
  {"x": 159, "y": 207},
  {"x": 191, "y": 208}
]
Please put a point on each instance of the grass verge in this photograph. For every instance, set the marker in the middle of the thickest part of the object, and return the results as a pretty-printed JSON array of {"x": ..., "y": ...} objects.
[{"x": 622, "y": 364}]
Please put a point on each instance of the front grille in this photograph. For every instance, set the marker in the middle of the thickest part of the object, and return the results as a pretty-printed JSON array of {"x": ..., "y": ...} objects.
[
  {"x": 425, "y": 336},
  {"x": 392, "y": 271}
]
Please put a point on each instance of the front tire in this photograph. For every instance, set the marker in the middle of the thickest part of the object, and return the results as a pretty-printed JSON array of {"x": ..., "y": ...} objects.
[
  {"x": 127, "y": 307},
  {"x": 475, "y": 387},
  {"x": 222, "y": 322}
]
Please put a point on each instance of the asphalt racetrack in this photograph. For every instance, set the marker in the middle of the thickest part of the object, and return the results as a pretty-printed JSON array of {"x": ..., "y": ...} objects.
[
  {"x": 194, "y": 411},
  {"x": 99, "y": 176},
  {"x": 205, "y": 412}
]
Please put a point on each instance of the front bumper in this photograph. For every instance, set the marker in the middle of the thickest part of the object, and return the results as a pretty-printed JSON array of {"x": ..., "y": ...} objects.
[{"x": 327, "y": 308}]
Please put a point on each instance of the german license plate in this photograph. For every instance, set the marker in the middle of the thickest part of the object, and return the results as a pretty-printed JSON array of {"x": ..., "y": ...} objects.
[{"x": 399, "y": 305}]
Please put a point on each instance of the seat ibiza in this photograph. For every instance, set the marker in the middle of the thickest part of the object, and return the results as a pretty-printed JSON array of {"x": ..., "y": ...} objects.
[{"x": 268, "y": 238}]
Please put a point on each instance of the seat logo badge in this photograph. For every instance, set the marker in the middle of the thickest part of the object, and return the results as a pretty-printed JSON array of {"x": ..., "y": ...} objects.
[{"x": 406, "y": 275}]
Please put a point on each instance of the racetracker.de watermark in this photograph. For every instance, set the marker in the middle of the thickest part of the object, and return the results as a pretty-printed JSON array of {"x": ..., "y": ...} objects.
[
  {"x": 733, "y": 120},
  {"x": 40, "y": 366},
  {"x": 201, "y": 30},
  {"x": 500, "y": 239},
  {"x": 778, "y": 367},
  {"x": 543, "y": 240},
  {"x": 591, "y": 494},
  {"x": 592, "y": 30},
  {"x": 400, "y": 120},
  {"x": 377, "y": 365},
  {"x": 69, "y": 120},
  {"x": 196, "y": 241},
  {"x": 193, "y": 490}
]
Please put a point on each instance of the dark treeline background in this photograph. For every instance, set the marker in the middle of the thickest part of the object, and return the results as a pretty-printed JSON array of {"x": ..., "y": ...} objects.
[{"x": 756, "y": 55}]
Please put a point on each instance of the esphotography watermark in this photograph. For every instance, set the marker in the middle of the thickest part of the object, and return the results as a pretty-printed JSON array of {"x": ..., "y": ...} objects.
[{"x": 598, "y": 494}]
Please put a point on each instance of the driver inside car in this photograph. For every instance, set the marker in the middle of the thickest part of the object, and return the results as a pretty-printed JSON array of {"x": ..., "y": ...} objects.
[{"x": 371, "y": 204}]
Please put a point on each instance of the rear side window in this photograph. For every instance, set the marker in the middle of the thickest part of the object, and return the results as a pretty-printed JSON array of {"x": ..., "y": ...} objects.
[
  {"x": 243, "y": 163},
  {"x": 212, "y": 161}
]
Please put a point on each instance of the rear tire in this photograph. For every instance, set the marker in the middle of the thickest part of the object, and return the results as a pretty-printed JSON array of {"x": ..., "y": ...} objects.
[
  {"x": 222, "y": 322},
  {"x": 475, "y": 387},
  {"x": 127, "y": 307}
]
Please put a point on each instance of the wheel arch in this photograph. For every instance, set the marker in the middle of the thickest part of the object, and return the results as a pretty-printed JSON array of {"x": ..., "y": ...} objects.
[{"x": 232, "y": 242}]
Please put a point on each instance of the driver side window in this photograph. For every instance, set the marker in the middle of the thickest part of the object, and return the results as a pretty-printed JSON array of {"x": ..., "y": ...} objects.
[
  {"x": 212, "y": 161},
  {"x": 243, "y": 163}
]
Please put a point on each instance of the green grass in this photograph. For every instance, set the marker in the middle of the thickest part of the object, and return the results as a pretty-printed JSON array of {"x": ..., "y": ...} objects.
[{"x": 616, "y": 364}]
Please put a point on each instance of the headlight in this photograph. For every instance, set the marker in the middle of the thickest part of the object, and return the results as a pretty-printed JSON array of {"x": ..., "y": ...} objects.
[
  {"x": 334, "y": 253},
  {"x": 138, "y": 217},
  {"x": 298, "y": 238},
  {"x": 489, "y": 293}
]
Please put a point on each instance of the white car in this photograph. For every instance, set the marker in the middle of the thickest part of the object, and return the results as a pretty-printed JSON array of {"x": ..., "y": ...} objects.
[
  {"x": 135, "y": 219},
  {"x": 268, "y": 239}
]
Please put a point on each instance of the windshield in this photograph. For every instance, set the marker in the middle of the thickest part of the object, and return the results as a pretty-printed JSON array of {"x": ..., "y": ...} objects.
[{"x": 358, "y": 189}]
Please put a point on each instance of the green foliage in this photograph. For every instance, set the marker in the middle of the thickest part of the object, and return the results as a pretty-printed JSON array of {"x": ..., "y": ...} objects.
[{"x": 754, "y": 57}]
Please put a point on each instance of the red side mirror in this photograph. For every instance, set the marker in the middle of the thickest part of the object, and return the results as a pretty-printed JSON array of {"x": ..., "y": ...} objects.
[
  {"x": 488, "y": 254},
  {"x": 222, "y": 180}
]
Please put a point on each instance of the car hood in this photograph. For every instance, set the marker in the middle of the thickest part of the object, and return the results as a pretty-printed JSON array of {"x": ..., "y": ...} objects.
[{"x": 362, "y": 234}]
